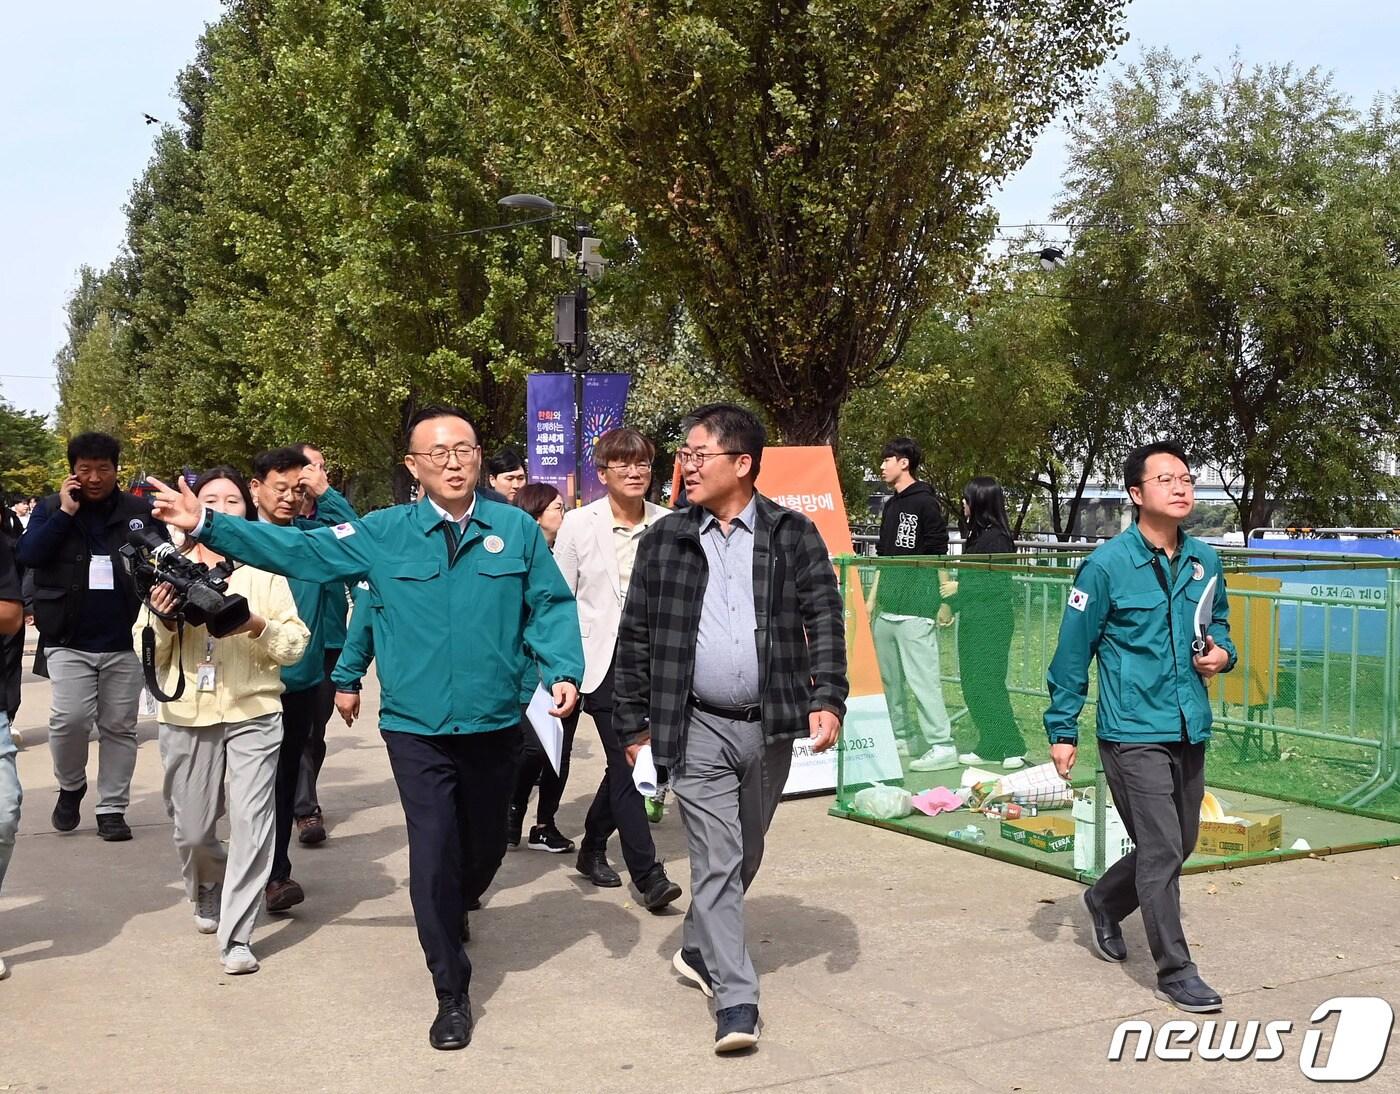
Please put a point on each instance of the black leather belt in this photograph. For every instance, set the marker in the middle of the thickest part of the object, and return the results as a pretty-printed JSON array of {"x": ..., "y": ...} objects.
[{"x": 734, "y": 714}]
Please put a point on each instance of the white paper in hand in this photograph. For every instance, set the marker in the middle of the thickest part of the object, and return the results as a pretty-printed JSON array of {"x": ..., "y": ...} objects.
[
  {"x": 1205, "y": 615},
  {"x": 644, "y": 773},
  {"x": 549, "y": 729}
]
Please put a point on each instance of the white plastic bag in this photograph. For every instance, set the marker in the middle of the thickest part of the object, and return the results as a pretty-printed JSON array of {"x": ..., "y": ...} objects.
[{"x": 883, "y": 802}]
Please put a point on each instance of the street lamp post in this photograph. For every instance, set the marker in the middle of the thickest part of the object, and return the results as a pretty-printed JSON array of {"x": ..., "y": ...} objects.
[{"x": 570, "y": 308}]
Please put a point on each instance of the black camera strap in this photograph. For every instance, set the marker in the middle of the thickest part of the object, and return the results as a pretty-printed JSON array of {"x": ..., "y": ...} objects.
[{"x": 148, "y": 661}]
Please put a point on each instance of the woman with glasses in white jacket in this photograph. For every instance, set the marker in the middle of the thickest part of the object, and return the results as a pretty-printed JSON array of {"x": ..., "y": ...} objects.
[{"x": 225, "y": 726}]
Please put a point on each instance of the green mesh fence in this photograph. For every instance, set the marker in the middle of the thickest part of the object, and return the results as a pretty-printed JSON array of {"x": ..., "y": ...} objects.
[{"x": 1306, "y": 743}]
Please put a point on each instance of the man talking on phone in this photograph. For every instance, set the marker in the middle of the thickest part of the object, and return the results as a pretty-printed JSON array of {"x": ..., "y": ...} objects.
[
  {"x": 1134, "y": 606},
  {"x": 84, "y": 606}
]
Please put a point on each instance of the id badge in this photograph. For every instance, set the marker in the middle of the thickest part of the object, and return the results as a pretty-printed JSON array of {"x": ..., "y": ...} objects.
[
  {"x": 100, "y": 572},
  {"x": 204, "y": 677}
]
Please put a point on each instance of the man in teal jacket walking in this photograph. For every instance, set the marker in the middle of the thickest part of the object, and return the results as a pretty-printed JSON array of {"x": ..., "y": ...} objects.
[
  {"x": 460, "y": 588},
  {"x": 1134, "y": 605},
  {"x": 282, "y": 477}
]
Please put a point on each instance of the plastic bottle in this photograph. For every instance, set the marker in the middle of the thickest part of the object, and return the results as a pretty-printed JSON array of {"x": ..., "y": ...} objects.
[{"x": 971, "y": 834}]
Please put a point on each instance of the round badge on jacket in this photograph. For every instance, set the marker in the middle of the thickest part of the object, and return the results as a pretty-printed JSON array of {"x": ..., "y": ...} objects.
[
  {"x": 135, "y": 524},
  {"x": 1197, "y": 571},
  {"x": 494, "y": 544}
]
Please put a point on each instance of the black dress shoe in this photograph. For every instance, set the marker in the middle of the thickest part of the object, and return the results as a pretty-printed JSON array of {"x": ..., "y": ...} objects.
[
  {"x": 452, "y": 1028},
  {"x": 112, "y": 827},
  {"x": 1105, "y": 936},
  {"x": 65, "y": 812},
  {"x": 594, "y": 866},
  {"x": 1193, "y": 995},
  {"x": 736, "y": 1028},
  {"x": 658, "y": 890}
]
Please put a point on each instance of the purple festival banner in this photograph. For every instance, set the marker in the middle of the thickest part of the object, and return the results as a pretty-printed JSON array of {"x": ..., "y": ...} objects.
[
  {"x": 549, "y": 430},
  {"x": 604, "y": 401}
]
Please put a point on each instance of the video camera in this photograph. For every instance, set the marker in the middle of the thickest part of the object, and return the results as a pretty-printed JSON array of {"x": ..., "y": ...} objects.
[{"x": 202, "y": 596}]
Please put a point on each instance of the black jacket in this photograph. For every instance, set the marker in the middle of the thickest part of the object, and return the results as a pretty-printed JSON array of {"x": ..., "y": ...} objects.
[
  {"x": 985, "y": 594},
  {"x": 56, "y": 548},
  {"x": 801, "y": 629},
  {"x": 912, "y": 524}
]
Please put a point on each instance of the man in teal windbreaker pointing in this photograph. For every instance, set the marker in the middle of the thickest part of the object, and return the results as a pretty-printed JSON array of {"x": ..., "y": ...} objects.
[
  {"x": 1133, "y": 606},
  {"x": 459, "y": 588}
]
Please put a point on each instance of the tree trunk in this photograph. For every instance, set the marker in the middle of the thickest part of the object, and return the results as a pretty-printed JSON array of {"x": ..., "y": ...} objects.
[
  {"x": 1021, "y": 516},
  {"x": 814, "y": 423}
]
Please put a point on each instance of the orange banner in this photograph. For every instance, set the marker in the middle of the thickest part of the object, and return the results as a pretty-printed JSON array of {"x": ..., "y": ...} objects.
[{"x": 804, "y": 479}]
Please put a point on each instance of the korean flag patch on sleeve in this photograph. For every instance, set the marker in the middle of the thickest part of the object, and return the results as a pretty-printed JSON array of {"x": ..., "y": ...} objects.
[
  {"x": 343, "y": 530},
  {"x": 1078, "y": 599}
]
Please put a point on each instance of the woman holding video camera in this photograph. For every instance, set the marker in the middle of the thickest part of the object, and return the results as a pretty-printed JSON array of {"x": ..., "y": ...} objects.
[{"x": 226, "y": 725}]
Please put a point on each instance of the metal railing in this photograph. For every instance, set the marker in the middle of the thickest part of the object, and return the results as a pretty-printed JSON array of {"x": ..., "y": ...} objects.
[{"x": 1322, "y": 668}]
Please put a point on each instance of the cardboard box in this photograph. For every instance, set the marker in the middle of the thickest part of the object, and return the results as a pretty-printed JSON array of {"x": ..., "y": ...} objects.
[
  {"x": 1259, "y": 832},
  {"x": 1044, "y": 833}
]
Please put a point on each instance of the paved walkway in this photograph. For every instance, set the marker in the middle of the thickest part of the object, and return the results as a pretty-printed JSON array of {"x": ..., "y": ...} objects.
[{"x": 888, "y": 964}]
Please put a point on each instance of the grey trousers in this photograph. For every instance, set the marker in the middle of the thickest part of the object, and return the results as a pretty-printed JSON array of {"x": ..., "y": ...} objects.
[
  {"x": 910, "y": 667},
  {"x": 100, "y": 689},
  {"x": 1157, "y": 789},
  {"x": 728, "y": 786},
  {"x": 197, "y": 761},
  {"x": 11, "y": 795}
]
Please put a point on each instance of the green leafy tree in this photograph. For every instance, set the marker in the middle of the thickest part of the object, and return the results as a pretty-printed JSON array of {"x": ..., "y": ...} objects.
[
  {"x": 28, "y": 452},
  {"x": 1242, "y": 228},
  {"x": 979, "y": 390},
  {"x": 298, "y": 263},
  {"x": 345, "y": 159},
  {"x": 807, "y": 177}
]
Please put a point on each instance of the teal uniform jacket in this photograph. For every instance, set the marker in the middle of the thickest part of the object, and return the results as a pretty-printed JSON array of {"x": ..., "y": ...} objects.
[
  {"x": 335, "y": 607},
  {"x": 331, "y": 508},
  {"x": 449, "y": 636},
  {"x": 1119, "y": 610},
  {"x": 357, "y": 651},
  {"x": 335, "y": 595}
]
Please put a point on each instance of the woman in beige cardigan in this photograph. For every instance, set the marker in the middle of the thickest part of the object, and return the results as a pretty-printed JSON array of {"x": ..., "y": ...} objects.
[{"x": 226, "y": 725}]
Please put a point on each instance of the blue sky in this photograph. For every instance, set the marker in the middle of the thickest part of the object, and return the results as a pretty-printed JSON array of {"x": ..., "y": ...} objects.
[{"x": 76, "y": 77}]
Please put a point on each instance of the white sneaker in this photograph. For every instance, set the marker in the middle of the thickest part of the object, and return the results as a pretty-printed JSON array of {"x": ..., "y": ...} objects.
[
  {"x": 936, "y": 758},
  {"x": 4, "y": 969},
  {"x": 239, "y": 959},
  {"x": 969, "y": 758},
  {"x": 206, "y": 908},
  {"x": 1011, "y": 763},
  {"x": 901, "y": 746}
]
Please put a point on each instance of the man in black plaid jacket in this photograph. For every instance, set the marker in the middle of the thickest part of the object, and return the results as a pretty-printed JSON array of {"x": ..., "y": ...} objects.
[{"x": 732, "y": 645}]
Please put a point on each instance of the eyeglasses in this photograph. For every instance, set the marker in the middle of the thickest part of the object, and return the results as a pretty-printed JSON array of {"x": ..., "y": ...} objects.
[
  {"x": 296, "y": 490},
  {"x": 1166, "y": 480},
  {"x": 438, "y": 454},
  {"x": 687, "y": 457},
  {"x": 628, "y": 468}
]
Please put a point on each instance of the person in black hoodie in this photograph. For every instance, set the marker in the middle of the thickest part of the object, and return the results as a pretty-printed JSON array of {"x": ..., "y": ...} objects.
[
  {"x": 906, "y": 608},
  {"x": 983, "y": 600},
  {"x": 84, "y": 606}
]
